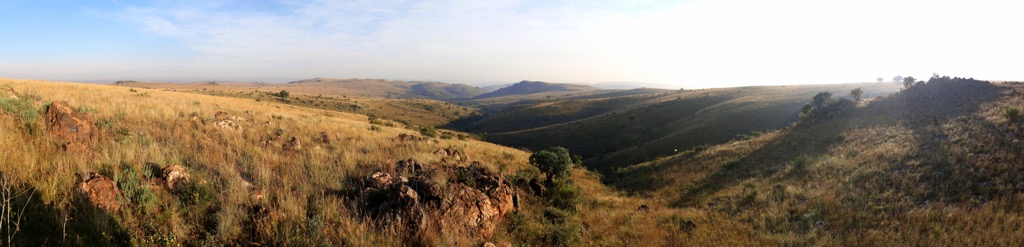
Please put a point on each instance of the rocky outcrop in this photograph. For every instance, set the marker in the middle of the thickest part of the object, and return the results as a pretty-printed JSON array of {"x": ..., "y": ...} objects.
[
  {"x": 175, "y": 177},
  {"x": 100, "y": 191},
  {"x": 471, "y": 203},
  {"x": 74, "y": 130}
]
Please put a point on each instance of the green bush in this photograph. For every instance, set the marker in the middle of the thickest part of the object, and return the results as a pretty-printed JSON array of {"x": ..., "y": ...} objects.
[
  {"x": 564, "y": 195},
  {"x": 1013, "y": 115},
  {"x": 566, "y": 235},
  {"x": 22, "y": 108},
  {"x": 428, "y": 131},
  {"x": 133, "y": 185}
]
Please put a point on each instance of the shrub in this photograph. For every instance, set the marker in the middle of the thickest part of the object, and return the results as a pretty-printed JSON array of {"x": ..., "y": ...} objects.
[
  {"x": 806, "y": 111},
  {"x": 22, "y": 108},
  {"x": 821, "y": 99},
  {"x": 564, "y": 195},
  {"x": 1013, "y": 115},
  {"x": 428, "y": 131},
  {"x": 283, "y": 94},
  {"x": 566, "y": 235},
  {"x": 133, "y": 184},
  {"x": 857, "y": 94}
]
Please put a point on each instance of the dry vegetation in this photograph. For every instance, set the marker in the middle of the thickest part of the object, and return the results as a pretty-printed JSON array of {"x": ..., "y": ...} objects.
[
  {"x": 142, "y": 129},
  {"x": 937, "y": 164},
  {"x": 404, "y": 111}
]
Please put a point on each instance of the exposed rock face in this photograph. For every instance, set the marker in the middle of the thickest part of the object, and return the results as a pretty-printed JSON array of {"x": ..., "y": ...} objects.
[
  {"x": 471, "y": 203},
  {"x": 72, "y": 128},
  {"x": 100, "y": 190},
  {"x": 175, "y": 177}
]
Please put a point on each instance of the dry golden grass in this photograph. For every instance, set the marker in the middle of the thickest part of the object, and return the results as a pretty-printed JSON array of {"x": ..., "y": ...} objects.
[
  {"x": 903, "y": 170},
  {"x": 302, "y": 205}
]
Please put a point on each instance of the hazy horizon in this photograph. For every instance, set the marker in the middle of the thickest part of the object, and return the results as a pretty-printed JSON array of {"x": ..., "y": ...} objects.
[{"x": 678, "y": 44}]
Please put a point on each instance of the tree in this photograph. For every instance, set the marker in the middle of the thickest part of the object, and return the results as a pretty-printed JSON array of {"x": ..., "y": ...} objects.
[
  {"x": 553, "y": 161},
  {"x": 880, "y": 79},
  {"x": 908, "y": 82},
  {"x": 283, "y": 94},
  {"x": 857, "y": 93},
  {"x": 821, "y": 99},
  {"x": 897, "y": 79}
]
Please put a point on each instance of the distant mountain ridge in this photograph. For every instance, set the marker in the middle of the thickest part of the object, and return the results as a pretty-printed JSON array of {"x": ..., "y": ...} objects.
[
  {"x": 532, "y": 87},
  {"x": 380, "y": 87}
]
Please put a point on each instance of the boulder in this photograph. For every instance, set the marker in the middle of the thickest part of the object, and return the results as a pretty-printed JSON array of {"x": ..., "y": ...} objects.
[
  {"x": 378, "y": 180},
  {"x": 175, "y": 177},
  {"x": 293, "y": 144},
  {"x": 221, "y": 116},
  {"x": 227, "y": 124},
  {"x": 72, "y": 128},
  {"x": 100, "y": 190}
]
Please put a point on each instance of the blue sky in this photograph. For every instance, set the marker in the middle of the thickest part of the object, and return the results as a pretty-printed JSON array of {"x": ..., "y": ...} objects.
[{"x": 689, "y": 44}]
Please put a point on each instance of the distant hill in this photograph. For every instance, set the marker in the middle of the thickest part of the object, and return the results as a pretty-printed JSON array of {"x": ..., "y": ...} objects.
[
  {"x": 533, "y": 87},
  {"x": 492, "y": 88},
  {"x": 385, "y": 88}
]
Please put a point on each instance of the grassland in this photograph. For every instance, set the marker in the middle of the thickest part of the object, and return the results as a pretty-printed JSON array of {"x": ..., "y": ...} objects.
[
  {"x": 935, "y": 165},
  {"x": 140, "y": 128}
]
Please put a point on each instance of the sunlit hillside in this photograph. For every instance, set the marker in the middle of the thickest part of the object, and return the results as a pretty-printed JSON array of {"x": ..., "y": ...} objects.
[
  {"x": 613, "y": 132},
  {"x": 275, "y": 174},
  {"x": 935, "y": 164}
]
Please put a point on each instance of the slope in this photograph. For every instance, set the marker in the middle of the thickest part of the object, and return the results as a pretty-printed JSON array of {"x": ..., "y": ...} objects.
[
  {"x": 640, "y": 128},
  {"x": 535, "y": 87},
  {"x": 939, "y": 163},
  {"x": 274, "y": 175}
]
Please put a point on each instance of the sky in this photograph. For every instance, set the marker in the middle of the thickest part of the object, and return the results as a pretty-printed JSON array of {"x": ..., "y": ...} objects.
[{"x": 675, "y": 44}]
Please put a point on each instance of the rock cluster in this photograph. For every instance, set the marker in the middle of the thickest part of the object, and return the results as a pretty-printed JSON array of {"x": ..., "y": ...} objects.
[{"x": 470, "y": 202}]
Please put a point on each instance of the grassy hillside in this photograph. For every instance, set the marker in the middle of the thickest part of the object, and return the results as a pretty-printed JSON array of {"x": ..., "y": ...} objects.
[
  {"x": 411, "y": 111},
  {"x": 251, "y": 186},
  {"x": 938, "y": 164},
  {"x": 625, "y": 130},
  {"x": 342, "y": 88}
]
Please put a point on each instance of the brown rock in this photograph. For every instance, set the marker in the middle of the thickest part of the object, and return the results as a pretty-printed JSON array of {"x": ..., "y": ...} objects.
[
  {"x": 379, "y": 180},
  {"x": 100, "y": 190},
  {"x": 227, "y": 124},
  {"x": 293, "y": 144},
  {"x": 221, "y": 116},
  {"x": 175, "y": 177},
  {"x": 71, "y": 127}
]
